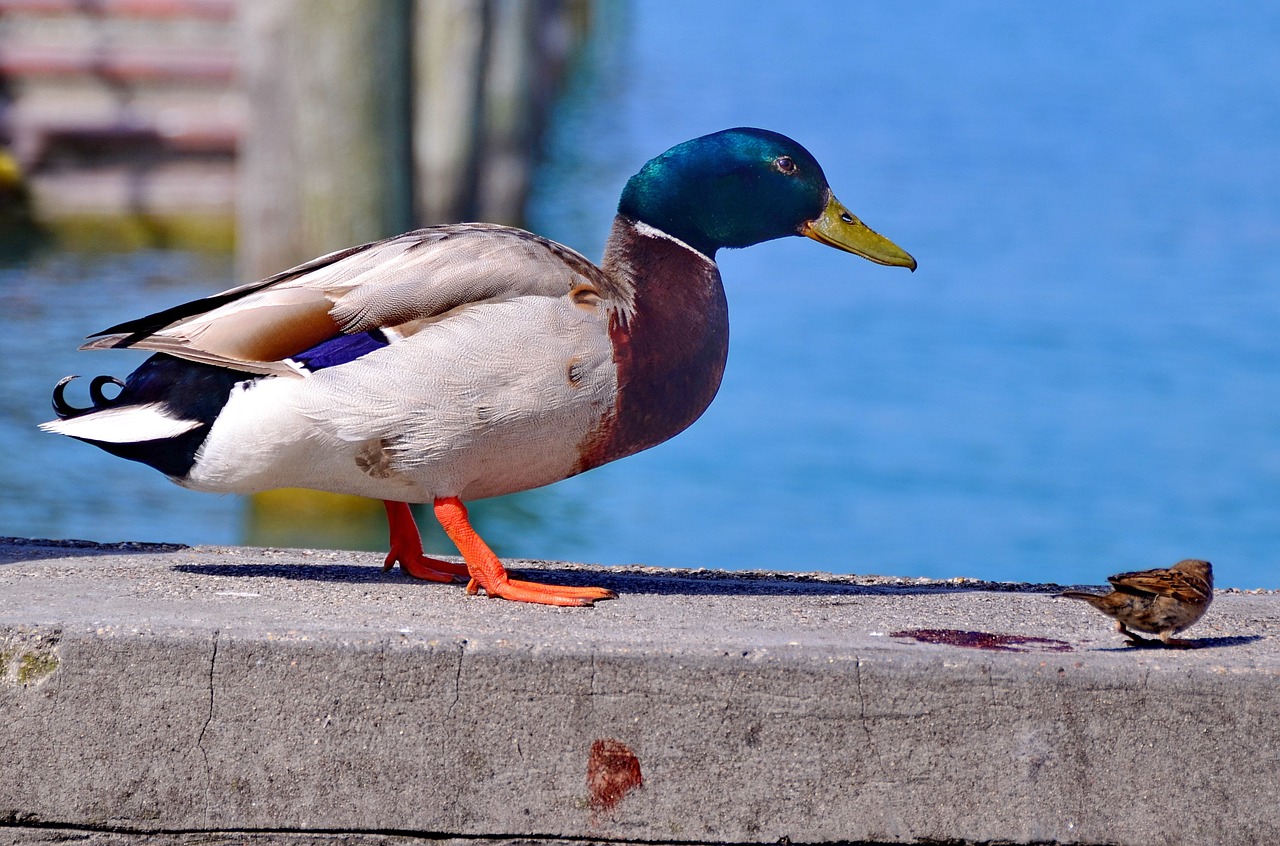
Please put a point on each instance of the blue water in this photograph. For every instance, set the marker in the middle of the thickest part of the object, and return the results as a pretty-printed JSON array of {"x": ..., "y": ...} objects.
[{"x": 1082, "y": 377}]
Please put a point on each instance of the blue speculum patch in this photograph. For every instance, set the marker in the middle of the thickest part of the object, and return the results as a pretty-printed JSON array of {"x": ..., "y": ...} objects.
[{"x": 341, "y": 349}]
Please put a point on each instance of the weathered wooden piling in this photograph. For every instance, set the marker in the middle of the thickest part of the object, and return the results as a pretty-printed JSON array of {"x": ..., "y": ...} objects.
[
  {"x": 451, "y": 41},
  {"x": 325, "y": 161}
]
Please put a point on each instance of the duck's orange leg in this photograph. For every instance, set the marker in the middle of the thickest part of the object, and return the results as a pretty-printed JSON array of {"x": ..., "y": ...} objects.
[
  {"x": 488, "y": 574},
  {"x": 406, "y": 549}
]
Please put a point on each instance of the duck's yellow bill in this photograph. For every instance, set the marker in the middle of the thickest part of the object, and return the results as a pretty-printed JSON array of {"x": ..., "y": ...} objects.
[{"x": 838, "y": 227}]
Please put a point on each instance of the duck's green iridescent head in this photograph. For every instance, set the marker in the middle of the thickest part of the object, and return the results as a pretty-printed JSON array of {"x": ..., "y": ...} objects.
[{"x": 742, "y": 186}]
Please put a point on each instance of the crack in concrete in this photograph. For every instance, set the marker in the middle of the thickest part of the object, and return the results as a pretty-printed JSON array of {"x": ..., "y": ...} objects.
[
  {"x": 208, "y": 720},
  {"x": 1144, "y": 689},
  {"x": 383, "y": 645},
  {"x": 56, "y": 688},
  {"x": 457, "y": 679},
  {"x": 730, "y": 699},
  {"x": 307, "y": 835},
  {"x": 1075, "y": 750},
  {"x": 862, "y": 715}
]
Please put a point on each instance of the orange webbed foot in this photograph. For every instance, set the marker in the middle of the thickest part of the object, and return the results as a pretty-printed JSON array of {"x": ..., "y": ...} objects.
[
  {"x": 488, "y": 574},
  {"x": 519, "y": 590},
  {"x": 406, "y": 549}
]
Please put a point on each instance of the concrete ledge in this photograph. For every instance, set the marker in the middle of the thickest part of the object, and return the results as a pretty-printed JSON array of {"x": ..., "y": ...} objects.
[{"x": 181, "y": 695}]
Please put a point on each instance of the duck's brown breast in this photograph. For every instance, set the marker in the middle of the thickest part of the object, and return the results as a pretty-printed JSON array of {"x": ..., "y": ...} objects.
[{"x": 669, "y": 328}]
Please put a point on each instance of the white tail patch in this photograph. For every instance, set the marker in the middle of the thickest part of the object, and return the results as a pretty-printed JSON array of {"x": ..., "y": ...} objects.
[{"x": 129, "y": 424}]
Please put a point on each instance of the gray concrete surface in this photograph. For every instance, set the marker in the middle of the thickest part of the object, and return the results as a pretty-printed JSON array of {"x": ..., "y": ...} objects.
[{"x": 229, "y": 695}]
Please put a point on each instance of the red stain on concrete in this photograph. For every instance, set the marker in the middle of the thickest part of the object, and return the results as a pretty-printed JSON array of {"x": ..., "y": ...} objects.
[
  {"x": 613, "y": 771},
  {"x": 985, "y": 640}
]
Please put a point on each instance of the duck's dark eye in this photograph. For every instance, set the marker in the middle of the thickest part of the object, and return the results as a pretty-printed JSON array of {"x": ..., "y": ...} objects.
[{"x": 785, "y": 165}]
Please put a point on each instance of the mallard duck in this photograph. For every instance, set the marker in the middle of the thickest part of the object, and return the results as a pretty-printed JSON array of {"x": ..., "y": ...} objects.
[{"x": 465, "y": 361}]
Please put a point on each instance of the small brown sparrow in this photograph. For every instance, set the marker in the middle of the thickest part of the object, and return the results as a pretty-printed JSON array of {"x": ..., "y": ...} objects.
[{"x": 1162, "y": 602}]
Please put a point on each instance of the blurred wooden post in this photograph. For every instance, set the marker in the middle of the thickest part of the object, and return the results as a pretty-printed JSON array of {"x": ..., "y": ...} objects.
[
  {"x": 511, "y": 103},
  {"x": 450, "y": 44},
  {"x": 484, "y": 73},
  {"x": 325, "y": 162}
]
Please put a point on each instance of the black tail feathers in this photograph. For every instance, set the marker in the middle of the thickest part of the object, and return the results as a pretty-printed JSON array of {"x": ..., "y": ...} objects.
[{"x": 66, "y": 410}]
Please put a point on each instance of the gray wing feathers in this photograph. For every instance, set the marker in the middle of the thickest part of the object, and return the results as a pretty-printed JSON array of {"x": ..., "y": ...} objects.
[
  {"x": 386, "y": 284},
  {"x": 408, "y": 280}
]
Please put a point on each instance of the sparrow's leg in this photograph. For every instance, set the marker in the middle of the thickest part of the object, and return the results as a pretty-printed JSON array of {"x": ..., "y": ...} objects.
[{"x": 1136, "y": 639}]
